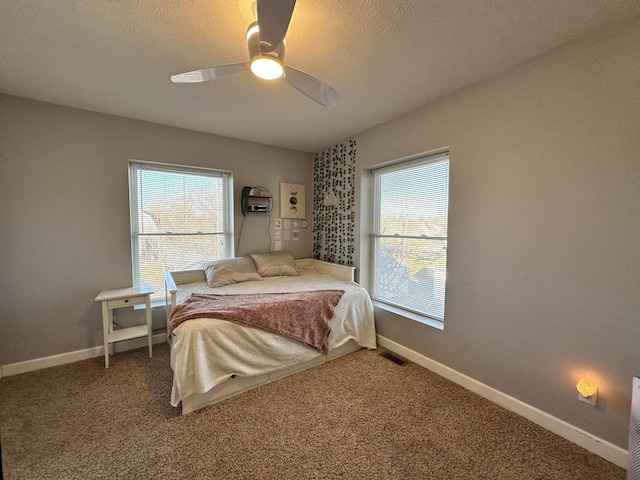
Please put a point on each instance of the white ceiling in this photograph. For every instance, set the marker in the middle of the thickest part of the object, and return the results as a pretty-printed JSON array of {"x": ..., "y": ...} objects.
[{"x": 385, "y": 57}]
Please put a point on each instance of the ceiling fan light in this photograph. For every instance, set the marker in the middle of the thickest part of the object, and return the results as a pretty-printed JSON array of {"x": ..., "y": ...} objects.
[
  {"x": 267, "y": 68},
  {"x": 253, "y": 29}
]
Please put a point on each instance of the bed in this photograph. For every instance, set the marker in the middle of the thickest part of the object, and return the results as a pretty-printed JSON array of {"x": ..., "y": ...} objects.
[{"x": 214, "y": 359}]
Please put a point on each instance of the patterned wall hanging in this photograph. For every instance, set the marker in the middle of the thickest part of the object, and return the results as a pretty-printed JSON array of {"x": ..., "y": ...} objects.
[{"x": 333, "y": 203}]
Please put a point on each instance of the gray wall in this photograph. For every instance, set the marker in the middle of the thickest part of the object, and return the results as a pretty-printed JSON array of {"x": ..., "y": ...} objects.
[
  {"x": 64, "y": 214},
  {"x": 544, "y": 247}
]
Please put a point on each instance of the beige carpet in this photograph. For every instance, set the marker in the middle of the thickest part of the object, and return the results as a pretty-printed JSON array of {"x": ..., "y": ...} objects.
[{"x": 358, "y": 417}]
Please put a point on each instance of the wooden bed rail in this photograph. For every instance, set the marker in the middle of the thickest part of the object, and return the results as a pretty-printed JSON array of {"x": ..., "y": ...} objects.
[{"x": 342, "y": 272}]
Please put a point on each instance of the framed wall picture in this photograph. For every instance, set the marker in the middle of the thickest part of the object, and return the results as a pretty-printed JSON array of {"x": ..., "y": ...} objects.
[{"x": 292, "y": 200}]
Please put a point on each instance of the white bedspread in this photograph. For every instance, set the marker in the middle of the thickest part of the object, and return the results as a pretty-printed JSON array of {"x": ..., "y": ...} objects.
[{"x": 206, "y": 352}]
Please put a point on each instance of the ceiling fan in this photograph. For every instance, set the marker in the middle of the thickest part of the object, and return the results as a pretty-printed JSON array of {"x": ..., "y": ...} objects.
[{"x": 266, "y": 42}]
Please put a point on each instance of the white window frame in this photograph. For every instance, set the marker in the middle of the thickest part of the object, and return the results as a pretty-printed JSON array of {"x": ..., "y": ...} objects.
[
  {"x": 381, "y": 302},
  {"x": 228, "y": 235}
]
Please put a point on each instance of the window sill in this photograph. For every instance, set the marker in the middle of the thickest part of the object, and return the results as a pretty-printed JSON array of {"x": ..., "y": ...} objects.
[{"x": 432, "y": 322}]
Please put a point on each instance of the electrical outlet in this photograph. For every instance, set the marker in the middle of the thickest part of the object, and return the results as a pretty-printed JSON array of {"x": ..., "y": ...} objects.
[{"x": 592, "y": 400}]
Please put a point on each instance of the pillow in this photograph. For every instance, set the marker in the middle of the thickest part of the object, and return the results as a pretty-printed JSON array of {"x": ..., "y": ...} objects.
[
  {"x": 275, "y": 264},
  {"x": 230, "y": 270}
]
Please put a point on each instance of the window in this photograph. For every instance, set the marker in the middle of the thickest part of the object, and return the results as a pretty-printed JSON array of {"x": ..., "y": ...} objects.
[
  {"x": 409, "y": 240},
  {"x": 180, "y": 217}
]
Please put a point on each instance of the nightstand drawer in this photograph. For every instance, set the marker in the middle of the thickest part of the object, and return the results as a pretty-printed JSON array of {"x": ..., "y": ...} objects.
[{"x": 126, "y": 301}]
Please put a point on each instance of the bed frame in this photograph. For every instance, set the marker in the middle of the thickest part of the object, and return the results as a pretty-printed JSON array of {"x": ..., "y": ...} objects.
[{"x": 237, "y": 385}]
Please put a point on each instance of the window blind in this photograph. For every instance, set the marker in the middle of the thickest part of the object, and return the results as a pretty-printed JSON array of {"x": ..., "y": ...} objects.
[
  {"x": 411, "y": 202},
  {"x": 180, "y": 217}
]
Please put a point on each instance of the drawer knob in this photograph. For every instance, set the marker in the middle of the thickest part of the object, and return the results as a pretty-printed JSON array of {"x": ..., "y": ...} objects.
[{"x": 126, "y": 301}]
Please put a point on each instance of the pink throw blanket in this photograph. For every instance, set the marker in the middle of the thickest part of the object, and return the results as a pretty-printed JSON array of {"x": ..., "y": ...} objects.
[{"x": 303, "y": 316}]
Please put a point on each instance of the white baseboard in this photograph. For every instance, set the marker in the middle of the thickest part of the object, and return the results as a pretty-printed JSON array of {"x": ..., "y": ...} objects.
[
  {"x": 69, "y": 357},
  {"x": 604, "y": 449}
]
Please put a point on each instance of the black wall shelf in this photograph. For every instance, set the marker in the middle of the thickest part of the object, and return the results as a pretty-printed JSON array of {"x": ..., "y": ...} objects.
[{"x": 256, "y": 200}]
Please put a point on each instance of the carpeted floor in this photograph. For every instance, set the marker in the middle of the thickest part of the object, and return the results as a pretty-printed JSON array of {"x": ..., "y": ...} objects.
[{"x": 360, "y": 416}]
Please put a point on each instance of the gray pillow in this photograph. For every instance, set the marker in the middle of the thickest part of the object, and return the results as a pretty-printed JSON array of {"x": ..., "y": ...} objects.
[
  {"x": 275, "y": 264},
  {"x": 230, "y": 270}
]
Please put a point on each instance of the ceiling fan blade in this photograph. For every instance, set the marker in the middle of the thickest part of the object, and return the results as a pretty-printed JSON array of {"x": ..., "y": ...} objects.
[
  {"x": 273, "y": 18},
  {"x": 211, "y": 73},
  {"x": 312, "y": 87}
]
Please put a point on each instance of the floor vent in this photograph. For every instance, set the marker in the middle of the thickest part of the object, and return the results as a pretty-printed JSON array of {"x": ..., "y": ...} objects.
[{"x": 393, "y": 358}]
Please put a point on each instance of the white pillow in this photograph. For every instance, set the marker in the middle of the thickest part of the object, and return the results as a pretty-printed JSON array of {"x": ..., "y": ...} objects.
[
  {"x": 275, "y": 264},
  {"x": 230, "y": 270}
]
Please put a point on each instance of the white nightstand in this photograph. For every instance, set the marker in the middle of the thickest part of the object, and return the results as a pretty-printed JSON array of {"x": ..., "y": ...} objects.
[{"x": 119, "y": 298}]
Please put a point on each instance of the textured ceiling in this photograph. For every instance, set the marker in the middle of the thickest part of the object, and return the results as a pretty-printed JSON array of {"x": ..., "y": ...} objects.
[{"x": 384, "y": 57}]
